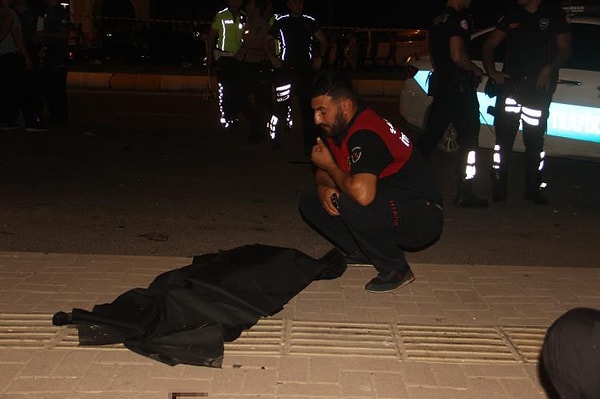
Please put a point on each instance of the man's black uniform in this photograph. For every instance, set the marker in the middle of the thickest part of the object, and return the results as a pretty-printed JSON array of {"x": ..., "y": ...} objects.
[
  {"x": 454, "y": 92},
  {"x": 406, "y": 214},
  {"x": 295, "y": 77},
  {"x": 530, "y": 45}
]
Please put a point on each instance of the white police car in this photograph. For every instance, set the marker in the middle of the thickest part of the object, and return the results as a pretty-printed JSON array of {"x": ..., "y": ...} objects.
[{"x": 574, "y": 122}]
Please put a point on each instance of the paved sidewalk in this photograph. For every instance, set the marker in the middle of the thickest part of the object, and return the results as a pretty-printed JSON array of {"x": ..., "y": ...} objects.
[{"x": 459, "y": 331}]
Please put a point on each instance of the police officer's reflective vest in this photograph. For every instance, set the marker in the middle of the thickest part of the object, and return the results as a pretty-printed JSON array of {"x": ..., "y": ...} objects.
[{"x": 231, "y": 31}]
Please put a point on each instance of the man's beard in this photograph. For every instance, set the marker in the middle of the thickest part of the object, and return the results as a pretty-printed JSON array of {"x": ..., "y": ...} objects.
[{"x": 338, "y": 125}]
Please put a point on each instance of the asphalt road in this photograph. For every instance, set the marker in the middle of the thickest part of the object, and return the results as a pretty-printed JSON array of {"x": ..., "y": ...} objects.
[{"x": 152, "y": 174}]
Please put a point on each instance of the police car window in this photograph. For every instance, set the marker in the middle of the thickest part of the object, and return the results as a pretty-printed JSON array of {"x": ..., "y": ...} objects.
[{"x": 585, "y": 47}]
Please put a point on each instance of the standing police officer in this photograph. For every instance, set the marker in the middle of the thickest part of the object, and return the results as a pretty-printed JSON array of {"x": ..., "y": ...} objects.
[
  {"x": 224, "y": 41},
  {"x": 453, "y": 86},
  {"x": 538, "y": 44},
  {"x": 296, "y": 64}
]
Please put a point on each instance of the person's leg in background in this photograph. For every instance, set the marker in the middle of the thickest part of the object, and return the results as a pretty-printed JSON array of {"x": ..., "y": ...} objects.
[
  {"x": 465, "y": 109},
  {"x": 247, "y": 88},
  {"x": 281, "y": 118},
  {"x": 507, "y": 116},
  {"x": 303, "y": 85},
  {"x": 11, "y": 74},
  {"x": 227, "y": 70},
  {"x": 438, "y": 119},
  {"x": 33, "y": 105},
  {"x": 534, "y": 116},
  {"x": 54, "y": 78},
  {"x": 263, "y": 98}
]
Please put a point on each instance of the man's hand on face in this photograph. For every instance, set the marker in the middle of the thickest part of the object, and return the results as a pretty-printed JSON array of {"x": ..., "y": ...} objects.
[{"x": 321, "y": 156}]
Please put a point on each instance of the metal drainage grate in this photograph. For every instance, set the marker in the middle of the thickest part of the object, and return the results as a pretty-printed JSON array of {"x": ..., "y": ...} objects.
[
  {"x": 341, "y": 339},
  {"x": 264, "y": 338},
  {"x": 27, "y": 331},
  {"x": 273, "y": 337},
  {"x": 527, "y": 341},
  {"x": 454, "y": 344}
]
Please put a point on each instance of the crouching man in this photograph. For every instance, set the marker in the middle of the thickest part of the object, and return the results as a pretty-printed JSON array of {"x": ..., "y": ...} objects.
[{"x": 375, "y": 197}]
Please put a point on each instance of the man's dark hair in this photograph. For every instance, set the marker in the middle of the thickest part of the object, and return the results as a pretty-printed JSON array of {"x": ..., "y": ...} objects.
[{"x": 335, "y": 85}]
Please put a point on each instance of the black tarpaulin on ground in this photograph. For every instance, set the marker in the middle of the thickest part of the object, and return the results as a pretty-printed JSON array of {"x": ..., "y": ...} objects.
[{"x": 185, "y": 315}]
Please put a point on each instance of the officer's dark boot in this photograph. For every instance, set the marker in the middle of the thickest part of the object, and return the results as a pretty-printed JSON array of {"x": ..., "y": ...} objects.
[
  {"x": 534, "y": 186},
  {"x": 466, "y": 198},
  {"x": 533, "y": 190},
  {"x": 535, "y": 195},
  {"x": 499, "y": 184}
]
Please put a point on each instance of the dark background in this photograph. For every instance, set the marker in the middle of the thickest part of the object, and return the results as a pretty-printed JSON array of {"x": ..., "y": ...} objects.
[
  {"x": 335, "y": 13},
  {"x": 342, "y": 13},
  {"x": 373, "y": 14}
]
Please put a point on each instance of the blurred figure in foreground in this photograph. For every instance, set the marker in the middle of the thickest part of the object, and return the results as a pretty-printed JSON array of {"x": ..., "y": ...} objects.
[{"x": 571, "y": 354}]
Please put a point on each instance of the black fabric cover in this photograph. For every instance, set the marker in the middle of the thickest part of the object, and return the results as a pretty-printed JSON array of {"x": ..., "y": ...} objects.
[{"x": 185, "y": 315}]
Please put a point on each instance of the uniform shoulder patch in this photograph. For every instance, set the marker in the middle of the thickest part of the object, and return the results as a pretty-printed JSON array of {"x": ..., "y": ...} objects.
[{"x": 355, "y": 154}]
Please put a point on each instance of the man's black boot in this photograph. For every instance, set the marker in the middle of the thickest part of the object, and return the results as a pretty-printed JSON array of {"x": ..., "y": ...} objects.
[
  {"x": 535, "y": 195},
  {"x": 534, "y": 188},
  {"x": 499, "y": 183},
  {"x": 466, "y": 198}
]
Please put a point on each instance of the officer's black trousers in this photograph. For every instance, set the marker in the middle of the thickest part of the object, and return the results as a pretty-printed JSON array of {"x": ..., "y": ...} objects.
[
  {"x": 228, "y": 69},
  {"x": 301, "y": 79},
  {"x": 33, "y": 104},
  {"x": 382, "y": 231},
  {"x": 571, "y": 354},
  {"x": 54, "y": 75},
  {"x": 12, "y": 70},
  {"x": 256, "y": 82},
  {"x": 507, "y": 125},
  {"x": 454, "y": 104},
  {"x": 457, "y": 104}
]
